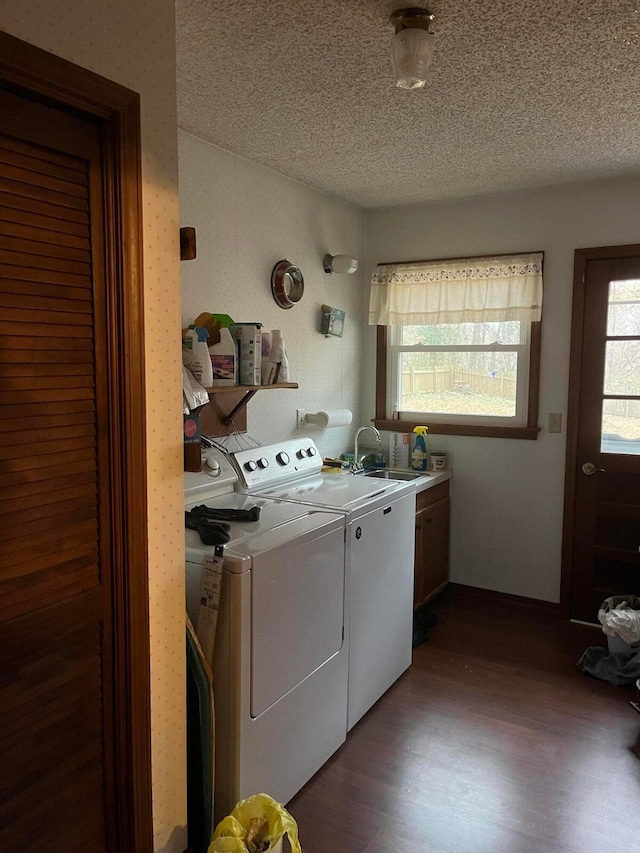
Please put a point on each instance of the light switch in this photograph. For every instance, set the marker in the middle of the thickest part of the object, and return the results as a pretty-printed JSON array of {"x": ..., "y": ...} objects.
[{"x": 555, "y": 422}]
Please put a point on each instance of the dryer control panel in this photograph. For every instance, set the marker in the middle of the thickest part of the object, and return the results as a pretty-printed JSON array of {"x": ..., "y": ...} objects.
[{"x": 277, "y": 463}]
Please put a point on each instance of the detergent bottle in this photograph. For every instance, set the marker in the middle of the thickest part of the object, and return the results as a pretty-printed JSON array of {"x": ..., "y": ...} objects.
[
  {"x": 200, "y": 365},
  {"x": 419, "y": 456},
  {"x": 224, "y": 359}
]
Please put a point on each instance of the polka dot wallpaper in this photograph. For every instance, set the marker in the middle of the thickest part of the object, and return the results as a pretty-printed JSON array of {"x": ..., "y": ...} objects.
[{"x": 133, "y": 43}]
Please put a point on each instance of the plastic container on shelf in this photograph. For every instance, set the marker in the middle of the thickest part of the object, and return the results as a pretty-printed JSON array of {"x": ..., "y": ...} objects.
[
  {"x": 276, "y": 369},
  {"x": 249, "y": 342},
  {"x": 266, "y": 345},
  {"x": 224, "y": 360},
  {"x": 278, "y": 355},
  {"x": 265, "y": 364},
  {"x": 190, "y": 337},
  {"x": 200, "y": 365}
]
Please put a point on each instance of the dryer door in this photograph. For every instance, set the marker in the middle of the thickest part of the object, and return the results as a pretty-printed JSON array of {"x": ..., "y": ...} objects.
[{"x": 297, "y": 606}]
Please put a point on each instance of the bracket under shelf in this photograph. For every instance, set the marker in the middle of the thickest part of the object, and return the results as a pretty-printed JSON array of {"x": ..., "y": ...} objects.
[{"x": 227, "y": 407}]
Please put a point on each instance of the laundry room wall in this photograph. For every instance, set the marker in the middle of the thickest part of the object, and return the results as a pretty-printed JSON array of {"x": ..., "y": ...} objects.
[
  {"x": 134, "y": 45},
  {"x": 507, "y": 501},
  {"x": 247, "y": 218}
]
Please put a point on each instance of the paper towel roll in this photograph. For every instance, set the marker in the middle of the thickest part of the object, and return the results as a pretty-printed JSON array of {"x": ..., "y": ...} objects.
[{"x": 331, "y": 418}]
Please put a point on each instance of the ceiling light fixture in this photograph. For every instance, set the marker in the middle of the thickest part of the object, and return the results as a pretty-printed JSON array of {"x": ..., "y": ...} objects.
[{"x": 412, "y": 46}]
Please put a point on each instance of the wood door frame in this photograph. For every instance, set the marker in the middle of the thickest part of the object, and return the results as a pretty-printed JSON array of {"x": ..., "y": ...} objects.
[
  {"x": 581, "y": 259},
  {"x": 36, "y": 73}
]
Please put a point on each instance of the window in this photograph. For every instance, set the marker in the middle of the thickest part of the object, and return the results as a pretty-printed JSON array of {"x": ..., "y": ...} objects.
[
  {"x": 461, "y": 352},
  {"x": 621, "y": 391}
]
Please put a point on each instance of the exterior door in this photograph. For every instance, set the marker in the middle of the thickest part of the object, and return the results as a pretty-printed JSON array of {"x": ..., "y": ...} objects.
[
  {"x": 73, "y": 669},
  {"x": 602, "y": 506}
]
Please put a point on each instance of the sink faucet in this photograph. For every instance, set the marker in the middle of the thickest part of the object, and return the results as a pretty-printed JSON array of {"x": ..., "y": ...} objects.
[{"x": 357, "y": 461}]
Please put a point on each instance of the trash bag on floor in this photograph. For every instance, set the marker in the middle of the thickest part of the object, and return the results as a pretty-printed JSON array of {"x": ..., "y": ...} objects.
[
  {"x": 255, "y": 825},
  {"x": 620, "y": 617}
]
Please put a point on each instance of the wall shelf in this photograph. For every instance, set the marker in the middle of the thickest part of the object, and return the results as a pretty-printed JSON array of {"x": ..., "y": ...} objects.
[{"x": 227, "y": 407}]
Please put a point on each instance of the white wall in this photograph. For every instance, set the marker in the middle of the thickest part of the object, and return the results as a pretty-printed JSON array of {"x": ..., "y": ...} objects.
[
  {"x": 134, "y": 45},
  {"x": 247, "y": 218},
  {"x": 507, "y": 500}
]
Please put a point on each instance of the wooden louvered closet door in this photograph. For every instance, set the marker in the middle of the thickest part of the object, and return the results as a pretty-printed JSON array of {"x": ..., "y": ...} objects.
[{"x": 56, "y": 719}]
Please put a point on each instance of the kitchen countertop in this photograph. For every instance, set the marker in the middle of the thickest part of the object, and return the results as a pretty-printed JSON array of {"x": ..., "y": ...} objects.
[{"x": 428, "y": 479}]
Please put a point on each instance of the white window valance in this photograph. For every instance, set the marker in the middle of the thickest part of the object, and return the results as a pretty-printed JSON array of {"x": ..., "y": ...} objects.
[{"x": 466, "y": 290}]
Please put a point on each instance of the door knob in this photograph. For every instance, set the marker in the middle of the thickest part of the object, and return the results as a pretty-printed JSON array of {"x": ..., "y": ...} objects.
[{"x": 589, "y": 468}]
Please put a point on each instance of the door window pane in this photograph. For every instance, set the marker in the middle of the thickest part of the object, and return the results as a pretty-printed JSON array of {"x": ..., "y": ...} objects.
[
  {"x": 621, "y": 426},
  {"x": 623, "y": 316},
  {"x": 464, "y": 383},
  {"x": 622, "y": 367}
]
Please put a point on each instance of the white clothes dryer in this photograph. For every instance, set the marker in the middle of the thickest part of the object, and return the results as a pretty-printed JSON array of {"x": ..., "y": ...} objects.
[{"x": 279, "y": 655}]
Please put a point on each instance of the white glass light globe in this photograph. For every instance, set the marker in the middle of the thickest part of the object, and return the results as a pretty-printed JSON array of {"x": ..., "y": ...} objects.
[{"x": 412, "y": 51}]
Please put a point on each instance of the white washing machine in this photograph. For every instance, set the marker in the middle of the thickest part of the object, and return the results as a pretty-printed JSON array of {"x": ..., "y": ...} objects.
[
  {"x": 380, "y": 539},
  {"x": 278, "y": 654}
]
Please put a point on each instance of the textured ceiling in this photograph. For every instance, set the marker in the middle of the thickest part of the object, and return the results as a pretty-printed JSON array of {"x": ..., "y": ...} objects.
[{"x": 521, "y": 94}]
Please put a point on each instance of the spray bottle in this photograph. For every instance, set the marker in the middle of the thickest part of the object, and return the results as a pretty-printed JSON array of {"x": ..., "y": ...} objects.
[{"x": 419, "y": 456}]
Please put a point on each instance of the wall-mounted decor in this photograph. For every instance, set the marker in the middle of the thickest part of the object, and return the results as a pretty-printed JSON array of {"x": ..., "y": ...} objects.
[
  {"x": 343, "y": 264},
  {"x": 332, "y": 321},
  {"x": 187, "y": 244},
  {"x": 287, "y": 284}
]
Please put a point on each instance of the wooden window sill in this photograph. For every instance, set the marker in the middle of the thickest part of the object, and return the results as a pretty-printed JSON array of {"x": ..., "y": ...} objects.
[{"x": 530, "y": 433}]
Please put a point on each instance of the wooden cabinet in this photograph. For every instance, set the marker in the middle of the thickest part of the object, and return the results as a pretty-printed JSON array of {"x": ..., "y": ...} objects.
[{"x": 431, "y": 573}]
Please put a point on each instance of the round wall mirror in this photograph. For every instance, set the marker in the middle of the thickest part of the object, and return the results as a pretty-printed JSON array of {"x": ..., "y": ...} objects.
[{"x": 287, "y": 284}]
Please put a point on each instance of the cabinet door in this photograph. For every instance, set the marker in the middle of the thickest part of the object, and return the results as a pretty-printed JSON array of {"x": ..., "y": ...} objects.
[
  {"x": 431, "y": 573},
  {"x": 435, "y": 548},
  {"x": 418, "y": 574}
]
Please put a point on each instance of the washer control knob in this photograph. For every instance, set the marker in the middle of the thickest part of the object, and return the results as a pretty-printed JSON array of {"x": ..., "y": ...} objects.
[
  {"x": 282, "y": 458},
  {"x": 211, "y": 466},
  {"x": 250, "y": 465},
  {"x": 263, "y": 462},
  {"x": 311, "y": 451},
  {"x": 301, "y": 454}
]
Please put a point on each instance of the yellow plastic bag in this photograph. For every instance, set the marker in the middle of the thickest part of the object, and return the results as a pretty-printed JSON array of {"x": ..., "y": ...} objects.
[{"x": 232, "y": 830}]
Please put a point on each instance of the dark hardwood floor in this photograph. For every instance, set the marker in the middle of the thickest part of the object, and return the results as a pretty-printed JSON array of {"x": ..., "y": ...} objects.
[{"x": 492, "y": 741}]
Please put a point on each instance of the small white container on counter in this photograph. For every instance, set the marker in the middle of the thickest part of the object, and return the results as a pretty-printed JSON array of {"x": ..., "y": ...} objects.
[{"x": 437, "y": 461}]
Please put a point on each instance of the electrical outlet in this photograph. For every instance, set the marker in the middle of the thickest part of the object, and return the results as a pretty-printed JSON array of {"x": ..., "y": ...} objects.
[
  {"x": 300, "y": 413},
  {"x": 555, "y": 422}
]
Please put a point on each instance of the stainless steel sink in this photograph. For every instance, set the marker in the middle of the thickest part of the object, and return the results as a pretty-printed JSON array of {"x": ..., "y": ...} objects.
[{"x": 392, "y": 474}]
